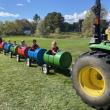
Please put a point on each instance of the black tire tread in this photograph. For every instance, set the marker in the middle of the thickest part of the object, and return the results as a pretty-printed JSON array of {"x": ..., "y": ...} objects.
[{"x": 100, "y": 55}]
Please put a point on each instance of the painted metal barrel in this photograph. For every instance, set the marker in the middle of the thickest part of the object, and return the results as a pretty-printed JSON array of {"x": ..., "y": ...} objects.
[
  {"x": 13, "y": 48},
  {"x": 37, "y": 55},
  {"x": 23, "y": 51},
  {"x": 1, "y": 45},
  {"x": 61, "y": 59},
  {"x": 7, "y": 46}
]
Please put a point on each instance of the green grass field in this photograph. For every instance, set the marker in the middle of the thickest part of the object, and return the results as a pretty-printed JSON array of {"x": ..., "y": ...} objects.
[{"x": 27, "y": 88}]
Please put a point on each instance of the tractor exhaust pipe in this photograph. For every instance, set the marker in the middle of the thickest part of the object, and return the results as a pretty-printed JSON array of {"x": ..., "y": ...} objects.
[{"x": 96, "y": 9}]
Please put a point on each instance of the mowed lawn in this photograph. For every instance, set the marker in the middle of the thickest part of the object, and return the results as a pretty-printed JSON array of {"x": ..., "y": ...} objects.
[{"x": 27, "y": 88}]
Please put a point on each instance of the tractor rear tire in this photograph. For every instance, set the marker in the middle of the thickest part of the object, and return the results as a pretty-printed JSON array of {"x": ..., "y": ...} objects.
[{"x": 91, "y": 80}]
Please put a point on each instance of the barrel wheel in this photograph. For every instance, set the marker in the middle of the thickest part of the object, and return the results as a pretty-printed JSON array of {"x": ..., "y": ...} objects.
[
  {"x": 17, "y": 58},
  {"x": 0, "y": 50},
  {"x": 28, "y": 62},
  {"x": 11, "y": 55},
  {"x": 91, "y": 80},
  {"x": 4, "y": 53},
  {"x": 45, "y": 69}
]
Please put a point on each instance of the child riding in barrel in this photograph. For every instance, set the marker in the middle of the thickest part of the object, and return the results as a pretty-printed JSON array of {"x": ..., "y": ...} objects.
[
  {"x": 34, "y": 45},
  {"x": 23, "y": 44},
  {"x": 14, "y": 43},
  {"x": 54, "y": 48}
]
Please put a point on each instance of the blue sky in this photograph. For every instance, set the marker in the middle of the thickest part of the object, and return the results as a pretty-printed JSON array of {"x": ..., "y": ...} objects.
[{"x": 71, "y": 9}]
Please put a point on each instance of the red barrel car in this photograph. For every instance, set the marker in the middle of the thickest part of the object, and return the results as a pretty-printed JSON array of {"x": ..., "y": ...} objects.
[{"x": 22, "y": 52}]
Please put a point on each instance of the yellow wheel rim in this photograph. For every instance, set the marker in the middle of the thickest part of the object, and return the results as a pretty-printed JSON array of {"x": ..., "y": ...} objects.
[{"x": 92, "y": 81}]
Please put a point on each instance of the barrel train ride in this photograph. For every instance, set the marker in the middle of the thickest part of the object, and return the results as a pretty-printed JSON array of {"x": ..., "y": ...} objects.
[{"x": 42, "y": 57}]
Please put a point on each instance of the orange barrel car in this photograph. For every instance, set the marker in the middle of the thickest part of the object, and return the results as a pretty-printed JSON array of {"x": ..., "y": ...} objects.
[{"x": 1, "y": 46}]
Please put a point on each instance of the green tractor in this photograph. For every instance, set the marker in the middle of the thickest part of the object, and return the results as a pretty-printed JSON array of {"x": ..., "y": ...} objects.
[{"x": 91, "y": 71}]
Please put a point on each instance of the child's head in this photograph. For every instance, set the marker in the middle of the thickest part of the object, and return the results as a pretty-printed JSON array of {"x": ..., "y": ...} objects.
[
  {"x": 34, "y": 41},
  {"x": 22, "y": 42},
  {"x": 9, "y": 41},
  {"x": 54, "y": 44},
  {"x": 14, "y": 42}
]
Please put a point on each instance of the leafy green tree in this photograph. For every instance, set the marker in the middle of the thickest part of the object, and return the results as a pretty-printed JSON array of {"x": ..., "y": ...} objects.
[
  {"x": 57, "y": 31},
  {"x": 1, "y": 27},
  {"x": 41, "y": 28},
  {"x": 17, "y": 27},
  {"x": 53, "y": 21}
]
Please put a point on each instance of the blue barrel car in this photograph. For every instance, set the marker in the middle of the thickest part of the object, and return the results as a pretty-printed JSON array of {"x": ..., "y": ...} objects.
[
  {"x": 36, "y": 56},
  {"x": 6, "y": 48}
]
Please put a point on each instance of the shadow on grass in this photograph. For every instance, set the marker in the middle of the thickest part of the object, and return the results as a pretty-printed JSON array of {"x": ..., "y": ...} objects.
[
  {"x": 34, "y": 66},
  {"x": 65, "y": 72},
  {"x": 51, "y": 73}
]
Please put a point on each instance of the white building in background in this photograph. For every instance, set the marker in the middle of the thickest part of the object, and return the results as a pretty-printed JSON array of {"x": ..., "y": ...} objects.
[{"x": 27, "y": 32}]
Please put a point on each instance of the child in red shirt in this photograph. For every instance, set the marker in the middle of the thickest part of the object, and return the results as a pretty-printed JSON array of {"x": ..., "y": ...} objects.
[
  {"x": 35, "y": 45},
  {"x": 23, "y": 44},
  {"x": 54, "y": 48}
]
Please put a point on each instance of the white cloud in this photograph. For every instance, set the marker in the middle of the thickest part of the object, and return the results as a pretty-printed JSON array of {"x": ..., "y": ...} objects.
[
  {"x": 108, "y": 16},
  {"x": 28, "y": 1},
  {"x": 31, "y": 20},
  {"x": 19, "y": 4},
  {"x": 2, "y": 8},
  {"x": 75, "y": 17},
  {"x": 7, "y": 14}
]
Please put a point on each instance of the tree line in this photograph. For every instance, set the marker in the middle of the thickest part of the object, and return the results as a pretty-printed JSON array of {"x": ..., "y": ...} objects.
[
  {"x": 17, "y": 27},
  {"x": 53, "y": 23}
]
